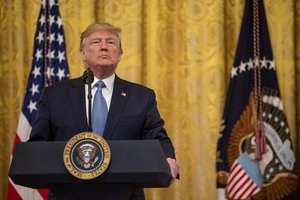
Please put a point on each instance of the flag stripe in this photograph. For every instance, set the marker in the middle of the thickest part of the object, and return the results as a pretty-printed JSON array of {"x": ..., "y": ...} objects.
[
  {"x": 240, "y": 182},
  {"x": 12, "y": 193},
  {"x": 254, "y": 190},
  {"x": 232, "y": 178},
  {"x": 24, "y": 128},
  {"x": 243, "y": 185},
  {"x": 43, "y": 193},
  {"x": 25, "y": 193},
  {"x": 234, "y": 172},
  {"x": 246, "y": 191},
  {"x": 234, "y": 166},
  {"x": 237, "y": 181}
]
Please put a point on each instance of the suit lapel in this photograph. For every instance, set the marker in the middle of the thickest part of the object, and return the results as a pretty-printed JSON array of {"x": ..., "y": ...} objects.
[
  {"x": 119, "y": 98},
  {"x": 77, "y": 94}
]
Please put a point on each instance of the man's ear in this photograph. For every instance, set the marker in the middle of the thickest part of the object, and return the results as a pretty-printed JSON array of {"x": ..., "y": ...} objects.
[
  {"x": 120, "y": 56},
  {"x": 83, "y": 55}
]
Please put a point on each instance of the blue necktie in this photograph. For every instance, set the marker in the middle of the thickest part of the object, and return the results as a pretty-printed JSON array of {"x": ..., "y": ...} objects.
[{"x": 99, "y": 110}]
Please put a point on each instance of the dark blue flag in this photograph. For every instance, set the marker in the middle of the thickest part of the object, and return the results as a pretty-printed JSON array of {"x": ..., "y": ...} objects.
[
  {"x": 49, "y": 65},
  {"x": 255, "y": 157}
]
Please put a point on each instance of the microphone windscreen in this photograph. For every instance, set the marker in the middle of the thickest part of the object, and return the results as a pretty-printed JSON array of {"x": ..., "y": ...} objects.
[{"x": 88, "y": 76}]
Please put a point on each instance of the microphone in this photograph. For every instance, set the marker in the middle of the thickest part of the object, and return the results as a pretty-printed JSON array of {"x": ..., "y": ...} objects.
[{"x": 88, "y": 78}]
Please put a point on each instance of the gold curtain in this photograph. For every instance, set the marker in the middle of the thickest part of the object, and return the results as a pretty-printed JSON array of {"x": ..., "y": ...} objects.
[{"x": 183, "y": 49}]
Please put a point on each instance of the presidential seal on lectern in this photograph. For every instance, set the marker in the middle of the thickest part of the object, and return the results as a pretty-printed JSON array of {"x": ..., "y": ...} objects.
[{"x": 86, "y": 155}]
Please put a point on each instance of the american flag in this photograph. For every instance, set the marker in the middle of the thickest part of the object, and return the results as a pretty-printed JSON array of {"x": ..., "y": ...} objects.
[
  {"x": 255, "y": 156},
  {"x": 49, "y": 65}
]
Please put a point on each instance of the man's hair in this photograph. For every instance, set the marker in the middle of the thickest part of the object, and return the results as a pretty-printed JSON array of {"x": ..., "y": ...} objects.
[{"x": 100, "y": 26}]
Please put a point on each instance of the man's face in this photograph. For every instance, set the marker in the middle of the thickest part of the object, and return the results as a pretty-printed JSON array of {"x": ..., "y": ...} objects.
[{"x": 101, "y": 51}]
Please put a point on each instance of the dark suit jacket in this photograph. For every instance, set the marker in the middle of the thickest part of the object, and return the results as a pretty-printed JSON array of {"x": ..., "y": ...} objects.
[{"x": 133, "y": 114}]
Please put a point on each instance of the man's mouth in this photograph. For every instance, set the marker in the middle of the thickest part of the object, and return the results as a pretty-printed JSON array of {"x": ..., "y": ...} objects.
[{"x": 104, "y": 56}]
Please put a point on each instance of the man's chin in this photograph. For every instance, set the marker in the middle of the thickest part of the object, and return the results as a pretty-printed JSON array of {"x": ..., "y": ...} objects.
[{"x": 104, "y": 65}]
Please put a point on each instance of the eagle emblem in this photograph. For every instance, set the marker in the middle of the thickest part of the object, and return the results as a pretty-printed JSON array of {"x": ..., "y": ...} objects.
[{"x": 86, "y": 153}]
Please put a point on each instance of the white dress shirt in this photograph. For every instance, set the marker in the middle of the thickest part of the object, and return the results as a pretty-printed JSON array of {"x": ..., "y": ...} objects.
[{"x": 107, "y": 92}]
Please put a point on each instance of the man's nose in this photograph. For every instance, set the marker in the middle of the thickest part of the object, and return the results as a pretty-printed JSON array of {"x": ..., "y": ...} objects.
[{"x": 103, "y": 46}]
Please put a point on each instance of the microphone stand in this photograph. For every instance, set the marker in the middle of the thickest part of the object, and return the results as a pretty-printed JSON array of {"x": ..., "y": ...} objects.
[{"x": 88, "y": 78}]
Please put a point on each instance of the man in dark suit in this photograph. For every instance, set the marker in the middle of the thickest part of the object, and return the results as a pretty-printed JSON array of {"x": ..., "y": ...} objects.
[{"x": 132, "y": 108}]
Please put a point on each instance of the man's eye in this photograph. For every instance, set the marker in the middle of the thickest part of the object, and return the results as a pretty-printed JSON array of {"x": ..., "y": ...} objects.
[{"x": 95, "y": 41}]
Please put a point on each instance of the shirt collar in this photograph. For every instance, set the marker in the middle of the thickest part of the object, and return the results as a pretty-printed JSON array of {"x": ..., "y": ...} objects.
[{"x": 109, "y": 81}]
